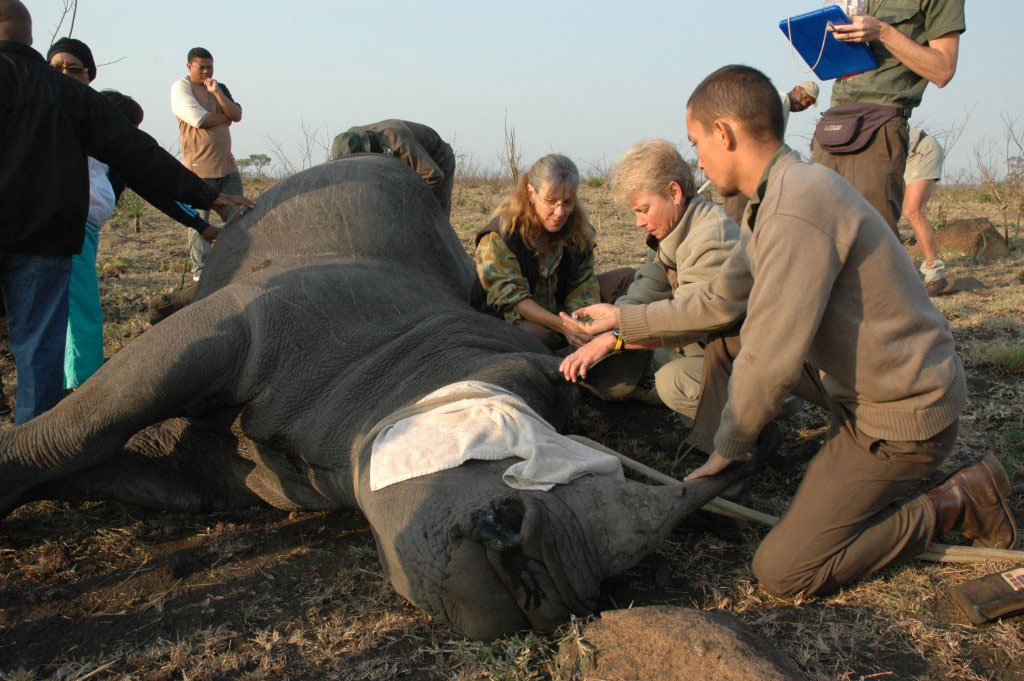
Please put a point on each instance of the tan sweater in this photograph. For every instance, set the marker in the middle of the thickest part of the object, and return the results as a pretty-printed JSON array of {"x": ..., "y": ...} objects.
[
  {"x": 692, "y": 253},
  {"x": 823, "y": 280}
]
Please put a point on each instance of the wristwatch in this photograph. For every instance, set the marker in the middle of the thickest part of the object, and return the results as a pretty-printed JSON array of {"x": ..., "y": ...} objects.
[{"x": 619, "y": 343}]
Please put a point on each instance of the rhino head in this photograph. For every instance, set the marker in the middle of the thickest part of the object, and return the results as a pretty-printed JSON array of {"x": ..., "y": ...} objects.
[{"x": 491, "y": 560}]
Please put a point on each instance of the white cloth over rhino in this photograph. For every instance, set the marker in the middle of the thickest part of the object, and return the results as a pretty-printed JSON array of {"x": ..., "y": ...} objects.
[{"x": 496, "y": 425}]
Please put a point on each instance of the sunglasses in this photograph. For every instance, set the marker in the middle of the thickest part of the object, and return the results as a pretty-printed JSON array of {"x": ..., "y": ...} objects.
[{"x": 73, "y": 69}]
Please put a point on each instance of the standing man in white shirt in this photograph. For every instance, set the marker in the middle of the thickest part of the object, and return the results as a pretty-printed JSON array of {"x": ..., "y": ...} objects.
[{"x": 205, "y": 111}]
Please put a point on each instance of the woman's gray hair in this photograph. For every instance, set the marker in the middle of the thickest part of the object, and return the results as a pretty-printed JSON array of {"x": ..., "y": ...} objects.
[
  {"x": 650, "y": 167},
  {"x": 553, "y": 170}
]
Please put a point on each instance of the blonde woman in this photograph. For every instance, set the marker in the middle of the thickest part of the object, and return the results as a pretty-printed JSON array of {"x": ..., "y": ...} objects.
[
  {"x": 689, "y": 238},
  {"x": 536, "y": 257}
]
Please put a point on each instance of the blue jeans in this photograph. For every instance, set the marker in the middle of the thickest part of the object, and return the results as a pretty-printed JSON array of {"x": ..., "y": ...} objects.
[{"x": 35, "y": 290}]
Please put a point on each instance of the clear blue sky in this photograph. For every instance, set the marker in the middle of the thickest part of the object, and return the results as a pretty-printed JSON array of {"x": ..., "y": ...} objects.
[{"x": 584, "y": 78}]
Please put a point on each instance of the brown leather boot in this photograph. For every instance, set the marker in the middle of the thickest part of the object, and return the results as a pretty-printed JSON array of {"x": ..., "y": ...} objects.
[{"x": 973, "y": 500}]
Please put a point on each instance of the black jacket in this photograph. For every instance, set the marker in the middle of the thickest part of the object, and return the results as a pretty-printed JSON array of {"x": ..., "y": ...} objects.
[
  {"x": 169, "y": 207},
  {"x": 49, "y": 124}
]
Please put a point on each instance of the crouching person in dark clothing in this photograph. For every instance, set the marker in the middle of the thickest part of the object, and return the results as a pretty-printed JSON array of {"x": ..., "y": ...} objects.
[
  {"x": 416, "y": 145},
  {"x": 49, "y": 124}
]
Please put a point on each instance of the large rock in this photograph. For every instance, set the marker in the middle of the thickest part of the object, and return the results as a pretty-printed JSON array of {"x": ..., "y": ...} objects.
[
  {"x": 667, "y": 643},
  {"x": 973, "y": 238}
]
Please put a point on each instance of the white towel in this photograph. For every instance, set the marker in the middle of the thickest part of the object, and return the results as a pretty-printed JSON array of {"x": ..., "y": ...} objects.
[{"x": 497, "y": 425}]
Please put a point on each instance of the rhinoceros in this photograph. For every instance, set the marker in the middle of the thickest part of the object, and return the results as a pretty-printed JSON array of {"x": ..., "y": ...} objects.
[{"x": 340, "y": 299}]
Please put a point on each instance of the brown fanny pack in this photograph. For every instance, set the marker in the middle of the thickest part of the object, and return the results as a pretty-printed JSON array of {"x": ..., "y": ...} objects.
[{"x": 847, "y": 128}]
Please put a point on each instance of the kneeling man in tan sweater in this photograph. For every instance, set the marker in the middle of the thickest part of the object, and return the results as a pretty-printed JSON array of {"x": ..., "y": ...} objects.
[{"x": 819, "y": 286}]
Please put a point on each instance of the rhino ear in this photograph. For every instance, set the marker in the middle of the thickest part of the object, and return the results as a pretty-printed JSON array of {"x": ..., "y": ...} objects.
[{"x": 497, "y": 527}]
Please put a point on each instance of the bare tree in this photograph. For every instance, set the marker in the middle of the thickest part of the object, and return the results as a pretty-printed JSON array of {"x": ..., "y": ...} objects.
[
  {"x": 599, "y": 173},
  {"x": 310, "y": 141},
  {"x": 70, "y": 7},
  {"x": 511, "y": 154},
  {"x": 949, "y": 135},
  {"x": 1001, "y": 172}
]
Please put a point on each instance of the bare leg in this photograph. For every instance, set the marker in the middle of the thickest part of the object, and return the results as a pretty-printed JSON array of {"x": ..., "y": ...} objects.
[
  {"x": 936, "y": 282},
  {"x": 914, "y": 201}
]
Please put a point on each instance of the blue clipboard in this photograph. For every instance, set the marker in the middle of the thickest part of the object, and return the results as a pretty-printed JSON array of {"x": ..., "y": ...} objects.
[{"x": 837, "y": 59}]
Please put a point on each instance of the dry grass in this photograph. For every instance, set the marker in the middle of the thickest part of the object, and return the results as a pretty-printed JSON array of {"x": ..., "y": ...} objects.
[{"x": 104, "y": 590}]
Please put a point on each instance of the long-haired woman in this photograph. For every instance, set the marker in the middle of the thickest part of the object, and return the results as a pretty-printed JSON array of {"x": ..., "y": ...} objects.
[{"x": 536, "y": 257}]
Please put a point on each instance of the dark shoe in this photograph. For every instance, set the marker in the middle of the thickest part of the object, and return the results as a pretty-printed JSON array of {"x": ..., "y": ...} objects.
[
  {"x": 973, "y": 500},
  {"x": 940, "y": 287}
]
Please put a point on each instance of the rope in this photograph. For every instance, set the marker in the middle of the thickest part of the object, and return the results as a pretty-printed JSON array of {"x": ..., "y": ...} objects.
[
  {"x": 943, "y": 553},
  {"x": 792, "y": 48},
  {"x": 934, "y": 552}
]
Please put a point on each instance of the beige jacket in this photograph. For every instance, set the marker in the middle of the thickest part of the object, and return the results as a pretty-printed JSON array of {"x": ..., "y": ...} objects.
[
  {"x": 822, "y": 280},
  {"x": 691, "y": 254}
]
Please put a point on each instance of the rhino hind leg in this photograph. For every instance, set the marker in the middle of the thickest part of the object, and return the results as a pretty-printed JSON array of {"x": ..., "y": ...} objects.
[
  {"x": 169, "y": 371},
  {"x": 177, "y": 465}
]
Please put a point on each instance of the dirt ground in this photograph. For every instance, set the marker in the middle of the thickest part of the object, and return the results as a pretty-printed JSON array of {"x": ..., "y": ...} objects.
[{"x": 104, "y": 590}]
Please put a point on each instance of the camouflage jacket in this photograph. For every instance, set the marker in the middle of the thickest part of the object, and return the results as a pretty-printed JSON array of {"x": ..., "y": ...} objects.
[{"x": 502, "y": 278}]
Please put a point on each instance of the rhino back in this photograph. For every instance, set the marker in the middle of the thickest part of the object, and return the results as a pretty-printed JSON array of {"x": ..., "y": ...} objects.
[{"x": 367, "y": 206}]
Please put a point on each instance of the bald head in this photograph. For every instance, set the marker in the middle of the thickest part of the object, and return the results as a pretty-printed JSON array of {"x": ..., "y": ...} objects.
[{"x": 15, "y": 22}]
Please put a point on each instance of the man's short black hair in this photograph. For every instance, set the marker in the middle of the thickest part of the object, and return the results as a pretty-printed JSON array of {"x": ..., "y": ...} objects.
[
  {"x": 198, "y": 53},
  {"x": 126, "y": 105},
  {"x": 742, "y": 93}
]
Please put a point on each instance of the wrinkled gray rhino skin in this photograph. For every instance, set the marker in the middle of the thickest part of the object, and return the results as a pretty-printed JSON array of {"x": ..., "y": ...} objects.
[{"x": 341, "y": 298}]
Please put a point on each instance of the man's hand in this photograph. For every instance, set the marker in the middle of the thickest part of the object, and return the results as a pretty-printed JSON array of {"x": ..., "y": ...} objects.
[
  {"x": 212, "y": 86},
  {"x": 603, "y": 317},
  {"x": 210, "y": 234},
  {"x": 574, "y": 367},
  {"x": 715, "y": 464},
  {"x": 576, "y": 340},
  {"x": 225, "y": 204},
  {"x": 862, "y": 29}
]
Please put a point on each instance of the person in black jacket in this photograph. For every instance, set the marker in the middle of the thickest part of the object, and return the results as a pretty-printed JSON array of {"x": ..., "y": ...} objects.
[{"x": 49, "y": 124}]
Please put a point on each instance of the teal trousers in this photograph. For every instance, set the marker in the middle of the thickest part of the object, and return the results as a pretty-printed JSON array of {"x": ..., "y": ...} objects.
[{"x": 83, "y": 352}]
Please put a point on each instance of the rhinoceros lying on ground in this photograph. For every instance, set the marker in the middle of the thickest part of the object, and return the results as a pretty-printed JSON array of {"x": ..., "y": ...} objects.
[{"x": 340, "y": 299}]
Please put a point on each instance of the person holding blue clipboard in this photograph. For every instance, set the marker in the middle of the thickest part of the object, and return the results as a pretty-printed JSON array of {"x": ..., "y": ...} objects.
[{"x": 864, "y": 135}]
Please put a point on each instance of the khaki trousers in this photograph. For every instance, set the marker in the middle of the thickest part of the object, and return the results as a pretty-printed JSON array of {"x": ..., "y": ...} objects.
[
  {"x": 848, "y": 517},
  {"x": 677, "y": 377},
  {"x": 876, "y": 171}
]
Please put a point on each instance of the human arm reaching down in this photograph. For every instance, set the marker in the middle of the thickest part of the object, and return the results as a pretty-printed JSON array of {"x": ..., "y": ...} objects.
[{"x": 783, "y": 315}]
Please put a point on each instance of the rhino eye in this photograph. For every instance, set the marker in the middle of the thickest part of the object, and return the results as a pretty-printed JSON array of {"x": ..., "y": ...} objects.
[
  {"x": 511, "y": 512},
  {"x": 498, "y": 526}
]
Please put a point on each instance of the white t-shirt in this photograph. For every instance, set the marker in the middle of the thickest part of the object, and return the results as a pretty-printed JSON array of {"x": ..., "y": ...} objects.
[{"x": 101, "y": 194}]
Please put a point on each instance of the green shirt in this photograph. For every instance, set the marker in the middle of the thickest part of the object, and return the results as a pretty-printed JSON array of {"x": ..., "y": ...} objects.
[
  {"x": 893, "y": 83},
  {"x": 762, "y": 185},
  {"x": 506, "y": 285}
]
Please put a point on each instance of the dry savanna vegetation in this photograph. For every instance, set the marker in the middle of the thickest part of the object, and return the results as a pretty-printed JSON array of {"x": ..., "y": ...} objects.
[{"x": 105, "y": 590}]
